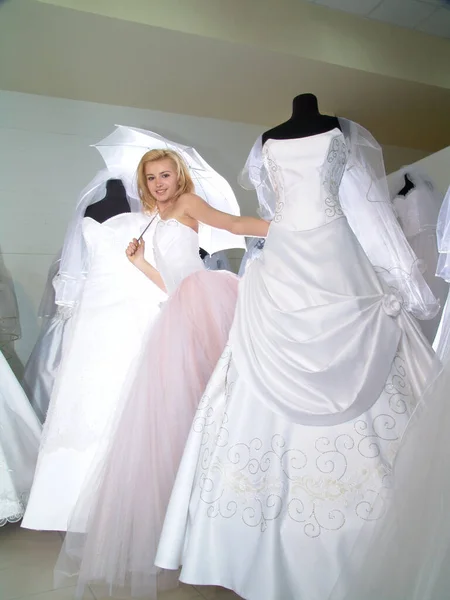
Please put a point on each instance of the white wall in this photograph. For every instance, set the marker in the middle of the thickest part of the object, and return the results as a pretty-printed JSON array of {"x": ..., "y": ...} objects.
[
  {"x": 437, "y": 166},
  {"x": 45, "y": 161},
  {"x": 396, "y": 157}
]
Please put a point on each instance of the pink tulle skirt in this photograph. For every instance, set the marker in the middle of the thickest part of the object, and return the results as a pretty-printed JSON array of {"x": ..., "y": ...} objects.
[{"x": 114, "y": 533}]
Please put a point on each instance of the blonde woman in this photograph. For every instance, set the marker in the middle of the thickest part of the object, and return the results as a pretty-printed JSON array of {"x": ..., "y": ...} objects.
[{"x": 128, "y": 494}]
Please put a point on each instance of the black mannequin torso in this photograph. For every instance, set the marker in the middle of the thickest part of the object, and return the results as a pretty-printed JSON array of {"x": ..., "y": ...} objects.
[
  {"x": 305, "y": 121},
  {"x": 407, "y": 187},
  {"x": 114, "y": 203}
]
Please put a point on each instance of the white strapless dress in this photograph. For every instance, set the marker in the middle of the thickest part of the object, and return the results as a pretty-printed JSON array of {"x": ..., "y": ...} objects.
[
  {"x": 294, "y": 440},
  {"x": 101, "y": 341},
  {"x": 20, "y": 434}
]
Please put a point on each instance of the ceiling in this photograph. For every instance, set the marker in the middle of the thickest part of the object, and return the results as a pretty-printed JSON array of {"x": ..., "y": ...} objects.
[
  {"x": 196, "y": 57},
  {"x": 427, "y": 16}
]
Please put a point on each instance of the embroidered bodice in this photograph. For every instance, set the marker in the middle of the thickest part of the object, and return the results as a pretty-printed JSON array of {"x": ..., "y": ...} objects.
[{"x": 305, "y": 174}]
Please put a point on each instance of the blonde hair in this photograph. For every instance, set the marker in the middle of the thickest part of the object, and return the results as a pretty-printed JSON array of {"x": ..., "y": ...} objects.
[{"x": 185, "y": 183}]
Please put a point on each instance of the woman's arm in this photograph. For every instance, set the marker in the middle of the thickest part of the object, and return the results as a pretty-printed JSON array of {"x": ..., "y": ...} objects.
[
  {"x": 150, "y": 272},
  {"x": 135, "y": 254},
  {"x": 196, "y": 208}
]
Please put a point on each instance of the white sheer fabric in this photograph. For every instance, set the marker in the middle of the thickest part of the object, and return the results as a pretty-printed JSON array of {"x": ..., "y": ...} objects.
[
  {"x": 42, "y": 366},
  {"x": 407, "y": 556},
  {"x": 443, "y": 239},
  {"x": 115, "y": 527},
  {"x": 417, "y": 212},
  {"x": 74, "y": 264},
  {"x": 418, "y": 209},
  {"x": 441, "y": 343}
]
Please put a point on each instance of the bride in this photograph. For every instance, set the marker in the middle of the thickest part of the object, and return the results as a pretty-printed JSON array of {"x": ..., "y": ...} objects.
[{"x": 115, "y": 528}]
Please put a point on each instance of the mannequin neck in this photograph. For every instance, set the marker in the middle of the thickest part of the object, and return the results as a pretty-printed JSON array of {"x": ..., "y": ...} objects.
[
  {"x": 115, "y": 190},
  {"x": 305, "y": 121},
  {"x": 114, "y": 203},
  {"x": 408, "y": 186},
  {"x": 305, "y": 105}
]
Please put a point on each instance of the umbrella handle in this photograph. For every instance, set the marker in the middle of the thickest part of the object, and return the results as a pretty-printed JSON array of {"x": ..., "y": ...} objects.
[{"x": 140, "y": 237}]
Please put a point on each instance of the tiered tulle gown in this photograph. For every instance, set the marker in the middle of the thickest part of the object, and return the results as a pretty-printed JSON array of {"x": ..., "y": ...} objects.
[{"x": 115, "y": 529}]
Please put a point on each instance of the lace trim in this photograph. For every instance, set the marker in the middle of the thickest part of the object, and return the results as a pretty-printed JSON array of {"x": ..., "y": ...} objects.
[
  {"x": 333, "y": 169},
  {"x": 12, "y": 507},
  {"x": 277, "y": 185}
]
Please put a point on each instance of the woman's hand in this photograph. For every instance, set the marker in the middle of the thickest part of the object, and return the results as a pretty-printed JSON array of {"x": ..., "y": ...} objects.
[{"x": 135, "y": 252}]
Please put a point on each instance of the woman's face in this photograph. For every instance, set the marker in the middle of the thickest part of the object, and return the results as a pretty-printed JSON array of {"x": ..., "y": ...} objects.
[{"x": 161, "y": 179}]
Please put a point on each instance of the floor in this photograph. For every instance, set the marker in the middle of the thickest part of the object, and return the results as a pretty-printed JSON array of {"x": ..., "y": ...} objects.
[{"x": 27, "y": 559}]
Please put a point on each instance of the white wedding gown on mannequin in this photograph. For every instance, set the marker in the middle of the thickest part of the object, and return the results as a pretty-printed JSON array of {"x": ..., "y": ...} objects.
[
  {"x": 294, "y": 439},
  {"x": 42, "y": 365},
  {"x": 20, "y": 434},
  {"x": 102, "y": 340}
]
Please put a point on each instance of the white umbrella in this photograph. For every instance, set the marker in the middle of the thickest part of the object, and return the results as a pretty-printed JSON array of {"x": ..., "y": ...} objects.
[{"x": 124, "y": 149}]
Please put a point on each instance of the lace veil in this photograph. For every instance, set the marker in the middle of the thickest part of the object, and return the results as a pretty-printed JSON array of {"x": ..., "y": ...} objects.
[{"x": 74, "y": 266}]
